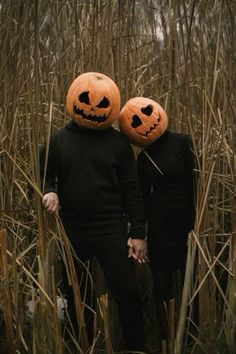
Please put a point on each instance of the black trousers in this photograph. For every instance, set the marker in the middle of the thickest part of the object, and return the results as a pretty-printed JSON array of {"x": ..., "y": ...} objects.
[
  {"x": 120, "y": 275},
  {"x": 168, "y": 271}
]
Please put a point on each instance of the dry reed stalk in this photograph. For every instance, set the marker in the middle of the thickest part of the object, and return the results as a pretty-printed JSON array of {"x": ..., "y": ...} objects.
[
  {"x": 187, "y": 288},
  {"x": 55, "y": 319},
  {"x": 230, "y": 312},
  {"x": 7, "y": 303},
  {"x": 72, "y": 278},
  {"x": 104, "y": 311}
]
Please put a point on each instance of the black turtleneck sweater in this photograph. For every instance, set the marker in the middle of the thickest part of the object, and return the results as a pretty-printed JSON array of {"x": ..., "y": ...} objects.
[
  {"x": 94, "y": 174},
  {"x": 168, "y": 193}
]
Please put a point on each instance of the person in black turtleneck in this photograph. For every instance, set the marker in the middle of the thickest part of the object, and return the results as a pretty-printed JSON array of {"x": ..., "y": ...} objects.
[
  {"x": 91, "y": 173},
  {"x": 170, "y": 208},
  {"x": 166, "y": 171}
]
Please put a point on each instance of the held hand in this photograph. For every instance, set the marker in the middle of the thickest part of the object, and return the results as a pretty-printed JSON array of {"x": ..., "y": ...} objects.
[
  {"x": 130, "y": 247},
  {"x": 51, "y": 202},
  {"x": 137, "y": 249}
]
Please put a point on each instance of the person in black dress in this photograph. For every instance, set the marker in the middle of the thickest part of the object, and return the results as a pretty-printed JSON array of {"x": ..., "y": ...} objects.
[
  {"x": 166, "y": 171},
  {"x": 91, "y": 172}
]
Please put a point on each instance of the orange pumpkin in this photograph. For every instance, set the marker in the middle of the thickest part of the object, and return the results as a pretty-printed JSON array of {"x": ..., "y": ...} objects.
[
  {"x": 93, "y": 100},
  {"x": 142, "y": 120}
]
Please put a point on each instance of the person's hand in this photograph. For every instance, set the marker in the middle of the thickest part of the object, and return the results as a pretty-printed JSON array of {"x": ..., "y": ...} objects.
[
  {"x": 51, "y": 202},
  {"x": 137, "y": 248}
]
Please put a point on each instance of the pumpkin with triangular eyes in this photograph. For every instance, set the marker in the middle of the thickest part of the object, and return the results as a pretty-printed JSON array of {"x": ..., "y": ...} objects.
[
  {"x": 142, "y": 120},
  {"x": 93, "y": 100}
]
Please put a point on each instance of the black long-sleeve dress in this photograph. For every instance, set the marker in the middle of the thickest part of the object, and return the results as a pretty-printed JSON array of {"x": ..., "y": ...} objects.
[
  {"x": 166, "y": 171},
  {"x": 168, "y": 190}
]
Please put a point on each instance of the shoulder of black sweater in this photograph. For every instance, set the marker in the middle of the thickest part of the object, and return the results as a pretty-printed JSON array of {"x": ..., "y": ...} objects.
[
  {"x": 111, "y": 132},
  {"x": 75, "y": 127},
  {"x": 167, "y": 136}
]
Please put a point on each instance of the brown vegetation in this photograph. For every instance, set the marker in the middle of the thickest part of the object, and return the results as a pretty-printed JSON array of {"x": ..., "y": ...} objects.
[{"x": 179, "y": 53}]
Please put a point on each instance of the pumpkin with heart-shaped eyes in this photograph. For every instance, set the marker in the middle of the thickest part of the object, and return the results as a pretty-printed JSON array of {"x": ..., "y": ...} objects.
[
  {"x": 142, "y": 120},
  {"x": 93, "y": 100}
]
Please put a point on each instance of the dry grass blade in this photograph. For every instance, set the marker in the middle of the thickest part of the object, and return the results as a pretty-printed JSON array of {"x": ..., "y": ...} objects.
[
  {"x": 7, "y": 304},
  {"x": 103, "y": 306}
]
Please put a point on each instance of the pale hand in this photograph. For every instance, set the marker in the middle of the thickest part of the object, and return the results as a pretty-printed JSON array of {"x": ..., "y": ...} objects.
[
  {"x": 50, "y": 202},
  {"x": 137, "y": 249}
]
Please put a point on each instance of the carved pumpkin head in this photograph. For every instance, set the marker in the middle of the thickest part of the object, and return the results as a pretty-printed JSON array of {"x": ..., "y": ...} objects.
[
  {"x": 93, "y": 100},
  {"x": 142, "y": 120}
]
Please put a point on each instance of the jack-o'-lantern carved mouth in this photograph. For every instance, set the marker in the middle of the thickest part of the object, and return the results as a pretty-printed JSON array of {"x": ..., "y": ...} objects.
[
  {"x": 149, "y": 132},
  {"x": 90, "y": 117}
]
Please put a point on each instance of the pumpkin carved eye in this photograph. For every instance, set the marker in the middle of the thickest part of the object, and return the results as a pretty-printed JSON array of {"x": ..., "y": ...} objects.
[
  {"x": 84, "y": 98},
  {"x": 104, "y": 103},
  {"x": 136, "y": 121},
  {"x": 147, "y": 110}
]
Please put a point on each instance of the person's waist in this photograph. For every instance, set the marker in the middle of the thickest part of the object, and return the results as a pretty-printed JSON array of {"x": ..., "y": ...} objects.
[
  {"x": 165, "y": 193},
  {"x": 93, "y": 224},
  {"x": 90, "y": 216}
]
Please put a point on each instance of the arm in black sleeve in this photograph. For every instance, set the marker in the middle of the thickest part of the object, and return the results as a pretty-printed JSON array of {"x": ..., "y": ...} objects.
[
  {"x": 191, "y": 164},
  {"x": 191, "y": 161},
  {"x": 188, "y": 153},
  {"x": 47, "y": 168},
  {"x": 131, "y": 191}
]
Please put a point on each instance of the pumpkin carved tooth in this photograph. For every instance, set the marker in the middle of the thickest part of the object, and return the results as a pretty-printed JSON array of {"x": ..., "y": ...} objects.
[
  {"x": 151, "y": 129},
  {"x": 93, "y": 100},
  {"x": 90, "y": 117},
  {"x": 146, "y": 134},
  {"x": 142, "y": 120}
]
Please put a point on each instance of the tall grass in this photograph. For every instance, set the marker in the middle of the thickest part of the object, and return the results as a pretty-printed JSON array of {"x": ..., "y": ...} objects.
[{"x": 180, "y": 53}]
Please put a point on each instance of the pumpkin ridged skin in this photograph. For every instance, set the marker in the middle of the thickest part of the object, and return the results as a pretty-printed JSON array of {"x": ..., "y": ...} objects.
[
  {"x": 93, "y": 100},
  {"x": 142, "y": 120}
]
